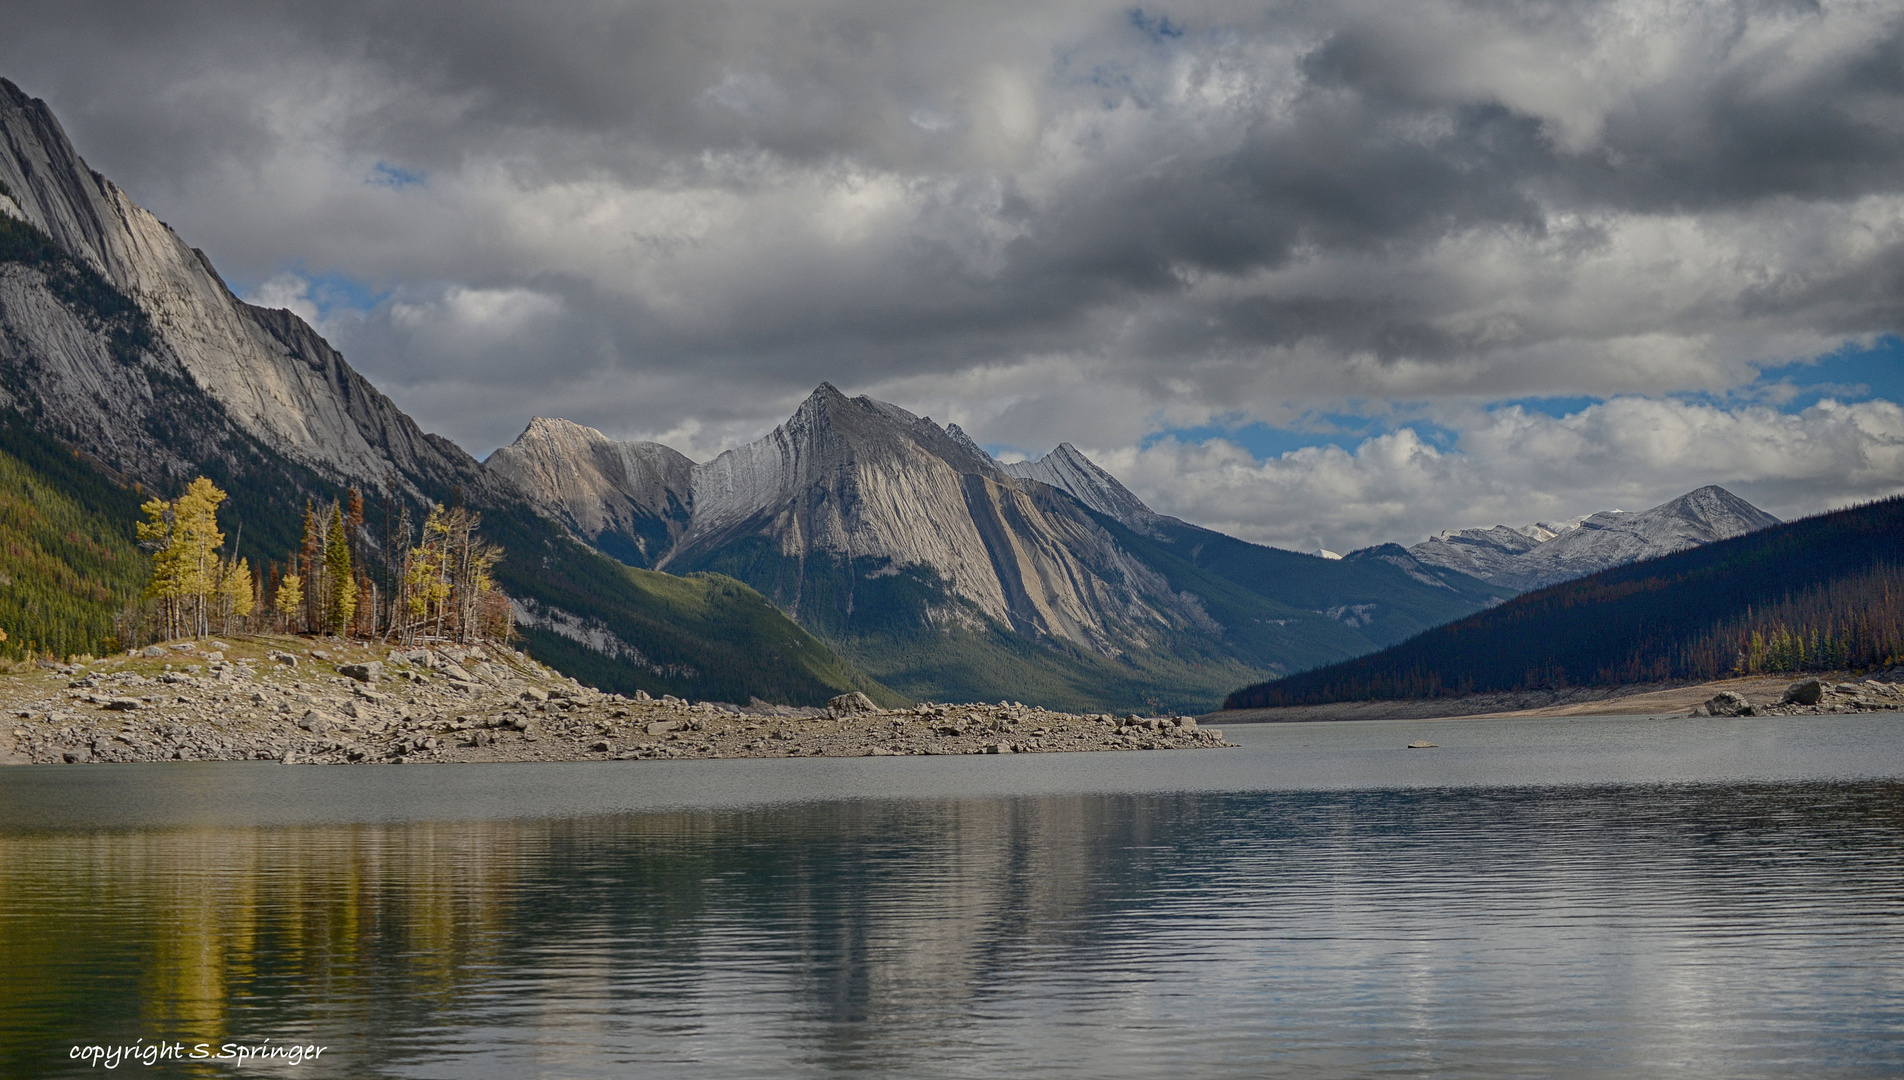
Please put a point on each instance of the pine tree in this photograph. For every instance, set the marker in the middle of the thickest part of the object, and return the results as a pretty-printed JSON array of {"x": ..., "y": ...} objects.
[{"x": 340, "y": 585}]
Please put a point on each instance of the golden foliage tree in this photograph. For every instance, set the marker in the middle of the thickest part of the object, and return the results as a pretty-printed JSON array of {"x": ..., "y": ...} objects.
[{"x": 186, "y": 570}]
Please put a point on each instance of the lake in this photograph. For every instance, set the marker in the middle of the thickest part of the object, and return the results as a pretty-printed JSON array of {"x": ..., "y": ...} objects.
[{"x": 1564, "y": 898}]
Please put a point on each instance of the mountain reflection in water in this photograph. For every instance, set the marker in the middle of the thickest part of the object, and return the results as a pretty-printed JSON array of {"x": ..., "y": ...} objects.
[{"x": 1690, "y": 929}]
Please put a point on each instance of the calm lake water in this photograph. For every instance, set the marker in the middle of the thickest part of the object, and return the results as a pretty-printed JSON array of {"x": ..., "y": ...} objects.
[{"x": 1605, "y": 897}]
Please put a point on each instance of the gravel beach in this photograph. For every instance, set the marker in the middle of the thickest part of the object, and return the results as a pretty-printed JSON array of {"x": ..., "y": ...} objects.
[{"x": 312, "y": 701}]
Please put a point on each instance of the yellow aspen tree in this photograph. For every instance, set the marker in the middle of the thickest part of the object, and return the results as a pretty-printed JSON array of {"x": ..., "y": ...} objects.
[{"x": 289, "y": 601}]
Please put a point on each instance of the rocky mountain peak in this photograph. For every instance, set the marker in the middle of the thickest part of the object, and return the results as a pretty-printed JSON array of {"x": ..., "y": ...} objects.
[
  {"x": 639, "y": 492},
  {"x": 1067, "y": 469},
  {"x": 1534, "y": 556},
  {"x": 271, "y": 375}
]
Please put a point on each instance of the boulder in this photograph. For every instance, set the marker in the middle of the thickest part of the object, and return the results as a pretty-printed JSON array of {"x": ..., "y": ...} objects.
[
  {"x": 662, "y": 727},
  {"x": 317, "y": 723},
  {"x": 1807, "y": 692},
  {"x": 1727, "y": 703},
  {"x": 852, "y": 704},
  {"x": 367, "y": 672}
]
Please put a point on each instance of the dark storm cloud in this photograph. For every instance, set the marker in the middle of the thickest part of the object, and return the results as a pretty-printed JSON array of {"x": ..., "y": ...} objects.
[{"x": 636, "y": 213}]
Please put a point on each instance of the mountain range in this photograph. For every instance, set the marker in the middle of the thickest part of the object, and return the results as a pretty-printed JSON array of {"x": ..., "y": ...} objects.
[
  {"x": 1545, "y": 553},
  {"x": 856, "y": 546},
  {"x": 939, "y": 570}
]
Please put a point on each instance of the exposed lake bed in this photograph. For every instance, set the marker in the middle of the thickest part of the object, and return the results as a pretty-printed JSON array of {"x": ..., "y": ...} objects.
[{"x": 1608, "y": 896}]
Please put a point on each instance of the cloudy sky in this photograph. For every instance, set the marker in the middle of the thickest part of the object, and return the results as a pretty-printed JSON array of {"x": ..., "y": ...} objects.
[{"x": 1318, "y": 274}]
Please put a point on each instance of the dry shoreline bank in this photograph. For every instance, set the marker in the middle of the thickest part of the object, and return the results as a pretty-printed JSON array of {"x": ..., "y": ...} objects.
[
  {"x": 301, "y": 701},
  {"x": 1764, "y": 693}
]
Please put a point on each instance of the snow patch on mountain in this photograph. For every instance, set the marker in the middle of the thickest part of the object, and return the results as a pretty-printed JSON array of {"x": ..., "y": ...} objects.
[{"x": 1538, "y": 555}]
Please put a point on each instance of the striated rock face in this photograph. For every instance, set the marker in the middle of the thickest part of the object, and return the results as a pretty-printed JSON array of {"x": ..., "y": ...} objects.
[
  {"x": 935, "y": 567},
  {"x": 630, "y": 498},
  {"x": 1070, "y": 471},
  {"x": 271, "y": 376},
  {"x": 863, "y": 480},
  {"x": 1535, "y": 556}
]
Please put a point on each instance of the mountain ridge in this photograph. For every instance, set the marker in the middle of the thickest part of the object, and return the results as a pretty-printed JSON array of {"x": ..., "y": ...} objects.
[
  {"x": 1535, "y": 556},
  {"x": 932, "y": 565}
]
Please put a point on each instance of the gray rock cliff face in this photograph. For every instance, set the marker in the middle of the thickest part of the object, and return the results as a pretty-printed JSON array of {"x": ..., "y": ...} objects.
[
  {"x": 866, "y": 480},
  {"x": 1536, "y": 556},
  {"x": 1070, "y": 471},
  {"x": 270, "y": 374},
  {"x": 639, "y": 491}
]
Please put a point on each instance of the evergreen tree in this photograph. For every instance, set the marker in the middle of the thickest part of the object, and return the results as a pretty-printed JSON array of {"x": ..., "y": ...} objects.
[{"x": 339, "y": 584}]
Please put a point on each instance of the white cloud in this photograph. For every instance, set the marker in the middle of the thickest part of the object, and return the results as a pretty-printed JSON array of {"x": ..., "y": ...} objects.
[{"x": 1512, "y": 466}]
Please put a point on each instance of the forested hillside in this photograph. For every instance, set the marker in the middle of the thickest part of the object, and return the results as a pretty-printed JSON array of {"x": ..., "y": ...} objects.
[
  {"x": 68, "y": 563},
  {"x": 1824, "y": 592}
]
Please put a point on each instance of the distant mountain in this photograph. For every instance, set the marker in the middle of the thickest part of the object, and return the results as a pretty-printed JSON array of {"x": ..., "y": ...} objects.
[
  {"x": 121, "y": 343},
  {"x": 1824, "y": 592},
  {"x": 1534, "y": 556},
  {"x": 943, "y": 573}
]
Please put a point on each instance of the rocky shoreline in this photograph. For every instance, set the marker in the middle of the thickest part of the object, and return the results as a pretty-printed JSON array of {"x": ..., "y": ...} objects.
[
  {"x": 288, "y": 700},
  {"x": 1881, "y": 692},
  {"x": 1764, "y": 695}
]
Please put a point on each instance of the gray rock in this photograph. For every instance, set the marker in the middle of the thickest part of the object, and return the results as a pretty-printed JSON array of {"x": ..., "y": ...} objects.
[
  {"x": 533, "y": 694},
  {"x": 124, "y": 704},
  {"x": 368, "y": 672},
  {"x": 852, "y": 704},
  {"x": 283, "y": 657},
  {"x": 1807, "y": 692},
  {"x": 1727, "y": 703},
  {"x": 317, "y": 723},
  {"x": 662, "y": 727},
  {"x": 153, "y": 652}
]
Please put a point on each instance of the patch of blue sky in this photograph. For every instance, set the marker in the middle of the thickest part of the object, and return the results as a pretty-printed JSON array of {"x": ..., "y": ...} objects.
[
  {"x": 1556, "y": 407},
  {"x": 1853, "y": 373},
  {"x": 1344, "y": 431},
  {"x": 1154, "y": 26},
  {"x": 330, "y": 293},
  {"x": 384, "y": 174}
]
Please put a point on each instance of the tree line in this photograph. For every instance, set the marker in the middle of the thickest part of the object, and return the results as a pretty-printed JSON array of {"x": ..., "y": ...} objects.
[{"x": 342, "y": 580}]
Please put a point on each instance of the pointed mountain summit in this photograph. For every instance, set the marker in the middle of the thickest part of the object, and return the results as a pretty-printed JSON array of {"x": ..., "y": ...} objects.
[
  {"x": 852, "y": 489},
  {"x": 631, "y": 499},
  {"x": 1536, "y": 556},
  {"x": 1070, "y": 471}
]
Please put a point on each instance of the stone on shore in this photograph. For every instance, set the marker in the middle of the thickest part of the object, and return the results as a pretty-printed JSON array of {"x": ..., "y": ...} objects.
[
  {"x": 1727, "y": 703},
  {"x": 852, "y": 704},
  {"x": 1807, "y": 692},
  {"x": 367, "y": 672}
]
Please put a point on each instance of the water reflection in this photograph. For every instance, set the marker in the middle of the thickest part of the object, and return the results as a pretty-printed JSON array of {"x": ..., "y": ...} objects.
[{"x": 1697, "y": 930}]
